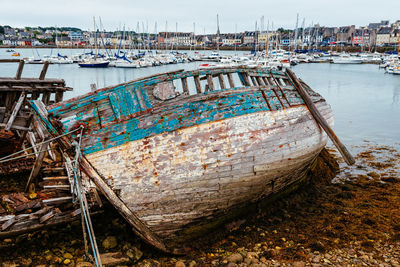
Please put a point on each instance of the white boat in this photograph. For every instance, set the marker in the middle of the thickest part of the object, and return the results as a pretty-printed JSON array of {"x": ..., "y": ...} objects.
[{"x": 347, "y": 59}]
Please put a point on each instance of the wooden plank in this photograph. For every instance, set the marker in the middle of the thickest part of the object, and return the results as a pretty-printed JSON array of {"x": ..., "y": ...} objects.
[
  {"x": 19, "y": 71},
  {"x": 197, "y": 83},
  {"x": 210, "y": 83},
  {"x": 185, "y": 85},
  {"x": 320, "y": 120},
  {"x": 38, "y": 164},
  {"x": 6, "y": 60},
  {"x": 221, "y": 81},
  {"x": 14, "y": 113},
  {"x": 16, "y": 127},
  {"x": 8, "y": 223},
  {"x": 230, "y": 80},
  {"x": 58, "y": 200},
  {"x": 44, "y": 70}
]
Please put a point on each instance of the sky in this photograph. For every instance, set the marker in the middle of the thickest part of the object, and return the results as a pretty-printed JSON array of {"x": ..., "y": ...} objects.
[{"x": 182, "y": 14}]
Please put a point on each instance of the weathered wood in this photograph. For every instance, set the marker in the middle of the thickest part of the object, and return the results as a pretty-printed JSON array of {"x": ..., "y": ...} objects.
[
  {"x": 210, "y": 83},
  {"x": 32, "y": 140},
  {"x": 260, "y": 81},
  {"x": 44, "y": 70},
  {"x": 8, "y": 223},
  {"x": 246, "y": 78},
  {"x": 221, "y": 81},
  {"x": 321, "y": 121},
  {"x": 46, "y": 98},
  {"x": 230, "y": 80},
  {"x": 48, "y": 216},
  {"x": 20, "y": 69},
  {"x": 38, "y": 164},
  {"x": 58, "y": 200},
  {"x": 16, "y": 127},
  {"x": 197, "y": 83},
  {"x": 59, "y": 96},
  {"x": 254, "y": 81},
  {"x": 6, "y": 60},
  {"x": 185, "y": 86},
  {"x": 140, "y": 229}
]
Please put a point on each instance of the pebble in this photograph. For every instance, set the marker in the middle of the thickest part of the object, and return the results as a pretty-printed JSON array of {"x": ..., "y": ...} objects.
[
  {"x": 180, "y": 264},
  {"x": 235, "y": 258},
  {"x": 110, "y": 242}
]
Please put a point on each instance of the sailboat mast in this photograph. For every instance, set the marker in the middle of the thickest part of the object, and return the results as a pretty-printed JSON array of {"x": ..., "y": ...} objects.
[{"x": 95, "y": 37}]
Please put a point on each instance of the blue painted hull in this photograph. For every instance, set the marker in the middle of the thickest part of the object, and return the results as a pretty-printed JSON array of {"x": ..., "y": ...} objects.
[{"x": 94, "y": 65}]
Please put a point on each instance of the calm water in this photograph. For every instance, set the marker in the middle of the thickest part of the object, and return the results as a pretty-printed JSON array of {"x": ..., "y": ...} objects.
[{"x": 365, "y": 100}]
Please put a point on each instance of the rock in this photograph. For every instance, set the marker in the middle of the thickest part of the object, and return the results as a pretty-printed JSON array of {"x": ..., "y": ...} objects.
[
  {"x": 299, "y": 264},
  {"x": 192, "y": 264},
  {"x": 180, "y": 264},
  {"x": 67, "y": 261},
  {"x": 26, "y": 262},
  {"x": 235, "y": 258},
  {"x": 316, "y": 259},
  {"x": 113, "y": 258},
  {"x": 373, "y": 175},
  {"x": 68, "y": 256},
  {"x": 231, "y": 264},
  {"x": 84, "y": 264},
  {"x": 8, "y": 240},
  {"x": 110, "y": 242},
  {"x": 10, "y": 264},
  {"x": 134, "y": 253}
]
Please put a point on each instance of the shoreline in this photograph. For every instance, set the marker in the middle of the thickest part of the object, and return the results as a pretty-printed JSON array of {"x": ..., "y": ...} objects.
[{"x": 354, "y": 220}]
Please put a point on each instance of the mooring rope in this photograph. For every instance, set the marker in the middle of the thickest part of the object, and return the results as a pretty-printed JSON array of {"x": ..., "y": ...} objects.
[
  {"x": 7, "y": 158},
  {"x": 83, "y": 202}
]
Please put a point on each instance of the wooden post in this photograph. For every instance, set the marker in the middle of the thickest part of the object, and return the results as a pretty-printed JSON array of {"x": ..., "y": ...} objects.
[
  {"x": 320, "y": 120},
  {"x": 221, "y": 81},
  {"x": 197, "y": 83},
  {"x": 254, "y": 81},
  {"x": 44, "y": 70},
  {"x": 59, "y": 96},
  {"x": 230, "y": 80},
  {"x": 210, "y": 82},
  {"x": 260, "y": 81},
  {"x": 19, "y": 71},
  {"x": 15, "y": 111},
  {"x": 185, "y": 85},
  {"x": 246, "y": 79}
]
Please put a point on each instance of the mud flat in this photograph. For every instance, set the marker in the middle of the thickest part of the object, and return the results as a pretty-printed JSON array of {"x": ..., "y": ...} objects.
[{"x": 353, "y": 220}]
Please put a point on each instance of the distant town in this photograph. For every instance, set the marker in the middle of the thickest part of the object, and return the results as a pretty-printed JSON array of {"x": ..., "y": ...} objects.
[{"x": 375, "y": 35}]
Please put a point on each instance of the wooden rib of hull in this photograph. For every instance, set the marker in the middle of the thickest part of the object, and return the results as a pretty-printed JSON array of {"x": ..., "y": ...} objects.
[{"x": 178, "y": 178}]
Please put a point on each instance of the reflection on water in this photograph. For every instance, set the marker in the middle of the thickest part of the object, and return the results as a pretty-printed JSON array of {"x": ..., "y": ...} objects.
[{"x": 365, "y": 100}]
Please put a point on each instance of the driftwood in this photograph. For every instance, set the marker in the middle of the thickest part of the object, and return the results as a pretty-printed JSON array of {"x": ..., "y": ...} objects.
[{"x": 320, "y": 120}]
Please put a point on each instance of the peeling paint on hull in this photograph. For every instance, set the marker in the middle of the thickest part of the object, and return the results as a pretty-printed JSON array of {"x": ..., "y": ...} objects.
[{"x": 176, "y": 178}]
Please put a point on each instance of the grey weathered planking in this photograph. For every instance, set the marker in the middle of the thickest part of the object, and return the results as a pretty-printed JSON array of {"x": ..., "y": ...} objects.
[{"x": 175, "y": 178}]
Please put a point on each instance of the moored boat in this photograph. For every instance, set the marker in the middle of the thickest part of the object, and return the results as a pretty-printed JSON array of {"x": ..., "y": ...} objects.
[
  {"x": 174, "y": 161},
  {"x": 94, "y": 64}
]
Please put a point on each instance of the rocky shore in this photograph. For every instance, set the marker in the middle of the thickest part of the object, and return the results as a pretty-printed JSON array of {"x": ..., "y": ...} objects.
[{"x": 353, "y": 221}]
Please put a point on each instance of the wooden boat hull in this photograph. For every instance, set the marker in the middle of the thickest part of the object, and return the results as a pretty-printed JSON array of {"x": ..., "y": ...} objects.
[
  {"x": 174, "y": 161},
  {"x": 194, "y": 174}
]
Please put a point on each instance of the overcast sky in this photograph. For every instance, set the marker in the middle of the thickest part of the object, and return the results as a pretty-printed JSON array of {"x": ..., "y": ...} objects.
[{"x": 116, "y": 13}]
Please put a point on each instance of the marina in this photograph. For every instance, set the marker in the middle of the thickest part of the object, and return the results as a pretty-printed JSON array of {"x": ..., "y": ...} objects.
[{"x": 221, "y": 146}]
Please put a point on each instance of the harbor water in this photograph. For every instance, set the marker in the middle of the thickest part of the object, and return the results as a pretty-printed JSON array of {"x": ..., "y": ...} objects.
[{"x": 365, "y": 100}]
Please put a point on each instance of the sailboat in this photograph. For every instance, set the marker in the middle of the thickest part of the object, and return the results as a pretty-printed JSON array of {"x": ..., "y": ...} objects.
[{"x": 94, "y": 62}]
